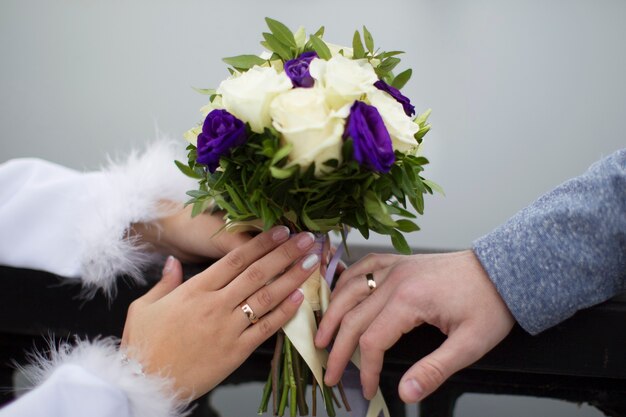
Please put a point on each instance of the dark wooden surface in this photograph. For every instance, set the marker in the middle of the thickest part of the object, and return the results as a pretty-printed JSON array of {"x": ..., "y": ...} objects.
[{"x": 582, "y": 359}]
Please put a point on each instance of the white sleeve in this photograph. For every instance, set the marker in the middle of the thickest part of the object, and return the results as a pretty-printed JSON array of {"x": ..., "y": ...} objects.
[
  {"x": 91, "y": 379},
  {"x": 75, "y": 224}
]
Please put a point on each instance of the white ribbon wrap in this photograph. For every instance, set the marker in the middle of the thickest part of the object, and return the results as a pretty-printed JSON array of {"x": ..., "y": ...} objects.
[
  {"x": 302, "y": 327},
  {"x": 301, "y": 331}
]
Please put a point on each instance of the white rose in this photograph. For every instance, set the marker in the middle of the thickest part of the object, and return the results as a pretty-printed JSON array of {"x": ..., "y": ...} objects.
[
  {"x": 344, "y": 80},
  {"x": 401, "y": 127},
  {"x": 304, "y": 120},
  {"x": 248, "y": 96}
]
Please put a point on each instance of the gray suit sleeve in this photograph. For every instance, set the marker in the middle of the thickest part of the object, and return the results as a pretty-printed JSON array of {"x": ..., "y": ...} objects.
[{"x": 564, "y": 252}]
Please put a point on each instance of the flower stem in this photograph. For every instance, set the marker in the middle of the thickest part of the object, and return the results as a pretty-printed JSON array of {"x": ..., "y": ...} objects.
[
  {"x": 300, "y": 385},
  {"x": 267, "y": 389},
  {"x": 314, "y": 396},
  {"x": 276, "y": 369},
  {"x": 344, "y": 398},
  {"x": 328, "y": 400},
  {"x": 284, "y": 395},
  {"x": 292, "y": 380}
]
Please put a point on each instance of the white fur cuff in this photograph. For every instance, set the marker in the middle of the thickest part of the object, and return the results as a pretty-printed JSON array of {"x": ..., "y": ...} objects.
[
  {"x": 127, "y": 193},
  {"x": 147, "y": 395}
]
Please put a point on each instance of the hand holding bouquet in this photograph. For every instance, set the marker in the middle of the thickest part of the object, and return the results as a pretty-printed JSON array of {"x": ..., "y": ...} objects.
[{"x": 317, "y": 137}]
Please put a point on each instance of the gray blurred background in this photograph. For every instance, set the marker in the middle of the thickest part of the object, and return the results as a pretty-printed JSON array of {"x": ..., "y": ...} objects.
[{"x": 525, "y": 94}]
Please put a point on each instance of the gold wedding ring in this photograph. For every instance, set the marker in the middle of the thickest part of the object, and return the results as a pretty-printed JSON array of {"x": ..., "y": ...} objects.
[
  {"x": 370, "y": 281},
  {"x": 247, "y": 310}
]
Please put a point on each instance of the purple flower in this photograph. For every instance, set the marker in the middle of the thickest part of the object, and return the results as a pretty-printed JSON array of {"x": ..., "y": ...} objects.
[
  {"x": 409, "y": 109},
  {"x": 371, "y": 140},
  {"x": 221, "y": 132},
  {"x": 298, "y": 70}
]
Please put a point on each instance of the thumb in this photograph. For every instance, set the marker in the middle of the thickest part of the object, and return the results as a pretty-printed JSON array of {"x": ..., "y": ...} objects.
[
  {"x": 457, "y": 352},
  {"x": 172, "y": 277}
]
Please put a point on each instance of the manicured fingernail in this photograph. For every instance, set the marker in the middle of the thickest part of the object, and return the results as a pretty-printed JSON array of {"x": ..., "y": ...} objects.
[
  {"x": 310, "y": 261},
  {"x": 412, "y": 389},
  {"x": 305, "y": 240},
  {"x": 296, "y": 296},
  {"x": 280, "y": 233},
  {"x": 169, "y": 264}
]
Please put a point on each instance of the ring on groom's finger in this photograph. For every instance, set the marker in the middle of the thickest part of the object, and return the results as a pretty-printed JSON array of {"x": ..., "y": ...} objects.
[
  {"x": 247, "y": 310},
  {"x": 370, "y": 281}
]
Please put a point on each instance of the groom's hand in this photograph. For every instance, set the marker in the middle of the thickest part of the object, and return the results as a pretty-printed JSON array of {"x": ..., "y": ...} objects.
[{"x": 449, "y": 291}]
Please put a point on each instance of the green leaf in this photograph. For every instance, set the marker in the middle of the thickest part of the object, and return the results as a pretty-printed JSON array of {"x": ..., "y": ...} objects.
[
  {"x": 357, "y": 46},
  {"x": 388, "y": 64},
  {"x": 377, "y": 209},
  {"x": 283, "y": 173},
  {"x": 291, "y": 216},
  {"x": 266, "y": 215},
  {"x": 407, "y": 226},
  {"x": 320, "y": 47},
  {"x": 310, "y": 224},
  {"x": 187, "y": 170},
  {"x": 205, "y": 91},
  {"x": 282, "y": 32},
  {"x": 369, "y": 40},
  {"x": 402, "y": 212},
  {"x": 421, "y": 119},
  {"x": 281, "y": 153},
  {"x": 236, "y": 199},
  {"x": 434, "y": 186},
  {"x": 418, "y": 203},
  {"x": 244, "y": 62},
  {"x": 199, "y": 207},
  {"x": 421, "y": 133},
  {"x": 401, "y": 79},
  {"x": 197, "y": 193},
  {"x": 399, "y": 243},
  {"x": 300, "y": 37},
  {"x": 219, "y": 200},
  {"x": 320, "y": 32},
  {"x": 274, "y": 45},
  {"x": 388, "y": 54},
  {"x": 364, "y": 230}
]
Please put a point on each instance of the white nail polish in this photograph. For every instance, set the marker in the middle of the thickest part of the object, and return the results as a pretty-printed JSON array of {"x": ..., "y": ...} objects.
[
  {"x": 280, "y": 233},
  {"x": 310, "y": 261}
]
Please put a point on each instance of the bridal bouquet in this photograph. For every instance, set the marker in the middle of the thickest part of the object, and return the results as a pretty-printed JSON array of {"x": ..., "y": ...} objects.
[{"x": 317, "y": 137}]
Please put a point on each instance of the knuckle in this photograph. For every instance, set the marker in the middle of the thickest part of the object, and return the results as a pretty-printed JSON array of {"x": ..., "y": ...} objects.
[
  {"x": 286, "y": 252},
  {"x": 134, "y": 307},
  {"x": 366, "y": 342},
  {"x": 433, "y": 372},
  {"x": 350, "y": 321},
  {"x": 235, "y": 260},
  {"x": 254, "y": 274},
  {"x": 264, "y": 297},
  {"x": 266, "y": 242},
  {"x": 404, "y": 295},
  {"x": 266, "y": 328}
]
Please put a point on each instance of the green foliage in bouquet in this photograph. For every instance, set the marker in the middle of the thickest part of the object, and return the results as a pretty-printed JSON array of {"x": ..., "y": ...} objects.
[
  {"x": 257, "y": 181},
  {"x": 252, "y": 184}
]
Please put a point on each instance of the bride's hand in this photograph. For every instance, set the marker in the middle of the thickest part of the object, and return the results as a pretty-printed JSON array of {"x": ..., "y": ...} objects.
[
  {"x": 196, "y": 332},
  {"x": 190, "y": 239}
]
